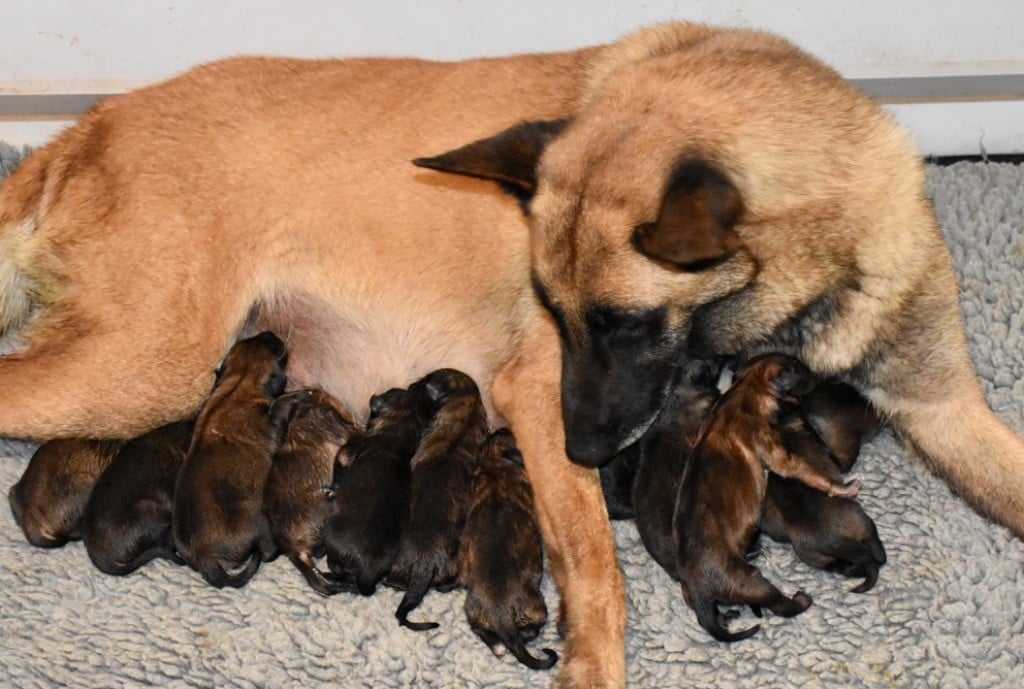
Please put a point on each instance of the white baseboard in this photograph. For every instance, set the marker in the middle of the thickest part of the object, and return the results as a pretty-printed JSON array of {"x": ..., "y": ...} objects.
[{"x": 979, "y": 115}]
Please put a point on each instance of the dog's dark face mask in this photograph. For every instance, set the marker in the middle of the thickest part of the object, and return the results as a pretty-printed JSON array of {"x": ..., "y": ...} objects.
[{"x": 620, "y": 277}]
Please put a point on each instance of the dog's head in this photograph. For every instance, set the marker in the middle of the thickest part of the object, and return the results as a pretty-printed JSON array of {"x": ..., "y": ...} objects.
[{"x": 631, "y": 230}]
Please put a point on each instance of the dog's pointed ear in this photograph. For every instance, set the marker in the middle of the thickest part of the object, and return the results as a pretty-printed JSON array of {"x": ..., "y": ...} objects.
[
  {"x": 509, "y": 157},
  {"x": 694, "y": 229}
]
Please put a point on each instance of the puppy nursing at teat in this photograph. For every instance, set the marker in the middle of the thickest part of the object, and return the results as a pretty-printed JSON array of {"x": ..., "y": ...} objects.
[
  {"x": 298, "y": 499},
  {"x": 219, "y": 526},
  {"x": 442, "y": 470}
]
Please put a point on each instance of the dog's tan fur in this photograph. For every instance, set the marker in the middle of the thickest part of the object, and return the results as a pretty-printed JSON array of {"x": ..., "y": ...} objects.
[{"x": 257, "y": 193}]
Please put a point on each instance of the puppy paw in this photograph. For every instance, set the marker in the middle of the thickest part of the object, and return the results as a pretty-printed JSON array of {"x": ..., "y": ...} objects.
[{"x": 850, "y": 489}]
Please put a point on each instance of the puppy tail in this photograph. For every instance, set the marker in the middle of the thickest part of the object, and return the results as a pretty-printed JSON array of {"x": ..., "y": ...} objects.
[
  {"x": 709, "y": 617},
  {"x": 870, "y": 578},
  {"x": 414, "y": 595},
  {"x": 217, "y": 575},
  {"x": 514, "y": 643}
]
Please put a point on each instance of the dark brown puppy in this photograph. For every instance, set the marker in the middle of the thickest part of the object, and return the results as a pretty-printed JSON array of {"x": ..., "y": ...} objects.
[
  {"x": 49, "y": 499},
  {"x": 128, "y": 519},
  {"x": 441, "y": 481},
  {"x": 299, "y": 495},
  {"x": 219, "y": 527},
  {"x": 501, "y": 560},
  {"x": 660, "y": 456},
  {"x": 831, "y": 533},
  {"x": 371, "y": 500},
  {"x": 842, "y": 419},
  {"x": 718, "y": 507}
]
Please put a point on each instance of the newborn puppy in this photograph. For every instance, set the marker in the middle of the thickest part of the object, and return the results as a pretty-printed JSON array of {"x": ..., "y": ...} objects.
[
  {"x": 718, "y": 507},
  {"x": 831, "y": 533},
  {"x": 50, "y": 498},
  {"x": 371, "y": 499},
  {"x": 842, "y": 419},
  {"x": 661, "y": 455},
  {"x": 441, "y": 481},
  {"x": 219, "y": 526},
  {"x": 128, "y": 519},
  {"x": 501, "y": 561},
  {"x": 299, "y": 497}
]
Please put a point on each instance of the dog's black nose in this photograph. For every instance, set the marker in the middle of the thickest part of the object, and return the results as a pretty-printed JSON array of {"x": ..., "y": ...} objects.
[{"x": 589, "y": 450}]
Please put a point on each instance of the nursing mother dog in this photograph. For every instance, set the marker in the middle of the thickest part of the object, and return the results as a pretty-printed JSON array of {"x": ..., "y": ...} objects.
[{"x": 687, "y": 188}]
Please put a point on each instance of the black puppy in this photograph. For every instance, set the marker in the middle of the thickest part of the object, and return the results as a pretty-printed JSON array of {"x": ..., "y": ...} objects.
[
  {"x": 128, "y": 520},
  {"x": 219, "y": 526},
  {"x": 660, "y": 457},
  {"x": 441, "y": 480},
  {"x": 842, "y": 418},
  {"x": 721, "y": 494},
  {"x": 299, "y": 496},
  {"x": 371, "y": 499},
  {"x": 831, "y": 533},
  {"x": 501, "y": 561},
  {"x": 49, "y": 499}
]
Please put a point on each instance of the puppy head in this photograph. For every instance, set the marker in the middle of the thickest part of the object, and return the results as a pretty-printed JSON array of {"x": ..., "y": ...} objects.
[
  {"x": 261, "y": 360},
  {"x": 396, "y": 406},
  {"x": 444, "y": 384},
  {"x": 780, "y": 380},
  {"x": 633, "y": 227},
  {"x": 501, "y": 447}
]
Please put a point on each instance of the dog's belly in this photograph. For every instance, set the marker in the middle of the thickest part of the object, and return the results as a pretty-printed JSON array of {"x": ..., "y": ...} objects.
[{"x": 354, "y": 354}]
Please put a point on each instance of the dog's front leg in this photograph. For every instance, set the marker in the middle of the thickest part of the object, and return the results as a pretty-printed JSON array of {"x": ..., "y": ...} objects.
[{"x": 572, "y": 516}]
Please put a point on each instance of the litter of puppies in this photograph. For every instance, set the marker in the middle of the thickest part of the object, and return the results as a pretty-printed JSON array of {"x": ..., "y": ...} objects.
[{"x": 423, "y": 496}]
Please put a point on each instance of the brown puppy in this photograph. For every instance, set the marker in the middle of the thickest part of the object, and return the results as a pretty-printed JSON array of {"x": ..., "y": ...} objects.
[
  {"x": 128, "y": 519},
  {"x": 718, "y": 507},
  {"x": 832, "y": 533},
  {"x": 49, "y": 499},
  {"x": 842, "y": 419},
  {"x": 219, "y": 526},
  {"x": 678, "y": 137},
  {"x": 501, "y": 561},
  {"x": 299, "y": 496},
  {"x": 441, "y": 481},
  {"x": 371, "y": 494}
]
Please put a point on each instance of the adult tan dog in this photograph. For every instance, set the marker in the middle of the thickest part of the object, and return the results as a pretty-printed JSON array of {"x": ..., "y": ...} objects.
[{"x": 689, "y": 176}]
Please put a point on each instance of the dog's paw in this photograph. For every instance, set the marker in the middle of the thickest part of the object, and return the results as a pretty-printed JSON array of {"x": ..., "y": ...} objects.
[
  {"x": 850, "y": 489},
  {"x": 583, "y": 671}
]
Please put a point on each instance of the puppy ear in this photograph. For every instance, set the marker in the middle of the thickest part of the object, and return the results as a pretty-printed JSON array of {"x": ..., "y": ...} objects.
[
  {"x": 283, "y": 408},
  {"x": 508, "y": 158},
  {"x": 694, "y": 229},
  {"x": 795, "y": 380}
]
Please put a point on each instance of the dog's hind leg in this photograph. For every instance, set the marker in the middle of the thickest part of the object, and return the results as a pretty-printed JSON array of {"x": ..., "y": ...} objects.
[
  {"x": 923, "y": 381},
  {"x": 753, "y": 589},
  {"x": 582, "y": 551}
]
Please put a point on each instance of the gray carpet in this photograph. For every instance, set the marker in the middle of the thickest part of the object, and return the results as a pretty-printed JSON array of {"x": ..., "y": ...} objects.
[{"x": 946, "y": 612}]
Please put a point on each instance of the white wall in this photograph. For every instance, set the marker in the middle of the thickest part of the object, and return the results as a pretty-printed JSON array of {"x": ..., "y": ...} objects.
[{"x": 93, "y": 46}]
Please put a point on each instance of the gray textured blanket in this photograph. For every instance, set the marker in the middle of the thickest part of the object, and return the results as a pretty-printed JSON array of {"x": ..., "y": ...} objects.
[{"x": 946, "y": 612}]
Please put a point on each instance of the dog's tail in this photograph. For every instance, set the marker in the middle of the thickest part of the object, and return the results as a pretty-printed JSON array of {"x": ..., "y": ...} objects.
[
  {"x": 419, "y": 584},
  {"x": 514, "y": 643},
  {"x": 710, "y": 618},
  {"x": 220, "y": 576},
  {"x": 26, "y": 284}
]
